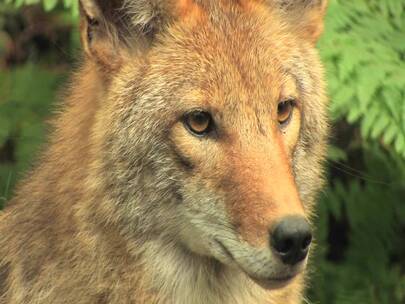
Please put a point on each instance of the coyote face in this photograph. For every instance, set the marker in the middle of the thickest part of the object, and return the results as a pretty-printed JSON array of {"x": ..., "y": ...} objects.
[
  {"x": 213, "y": 137},
  {"x": 190, "y": 150}
]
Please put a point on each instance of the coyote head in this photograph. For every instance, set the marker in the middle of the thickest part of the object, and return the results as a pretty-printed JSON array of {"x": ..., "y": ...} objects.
[{"x": 211, "y": 126}]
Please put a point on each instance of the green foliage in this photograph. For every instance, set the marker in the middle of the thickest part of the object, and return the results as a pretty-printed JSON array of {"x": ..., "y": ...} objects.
[
  {"x": 48, "y": 5},
  {"x": 26, "y": 94},
  {"x": 364, "y": 51},
  {"x": 360, "y": 256},
  {"x": 368, "y": 214},
  {"x": 28, "y": 84},
  {"x": 361, "y": 216}
]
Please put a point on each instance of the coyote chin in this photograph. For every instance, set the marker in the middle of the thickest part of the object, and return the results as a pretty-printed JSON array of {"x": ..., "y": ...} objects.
[{"x": 185, "y": 164}]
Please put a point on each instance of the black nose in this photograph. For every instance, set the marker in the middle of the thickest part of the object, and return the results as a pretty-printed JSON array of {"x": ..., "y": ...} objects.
[{"x": 291, "y": 238}]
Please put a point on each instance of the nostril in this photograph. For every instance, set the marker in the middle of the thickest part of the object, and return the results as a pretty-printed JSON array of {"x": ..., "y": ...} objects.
[{"x": 284, "y": 246}]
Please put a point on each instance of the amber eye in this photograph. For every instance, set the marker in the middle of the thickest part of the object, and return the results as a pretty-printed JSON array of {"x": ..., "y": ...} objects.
[
  {"x": 198, "y": 122},
  {"x": 284, "y": 111}
]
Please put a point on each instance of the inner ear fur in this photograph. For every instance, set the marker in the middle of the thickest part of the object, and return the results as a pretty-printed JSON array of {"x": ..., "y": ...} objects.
[
  {"x": 304, "y": 16},
  {"x": 100, "y": 31},
  {"x": 109, "y": 28}
]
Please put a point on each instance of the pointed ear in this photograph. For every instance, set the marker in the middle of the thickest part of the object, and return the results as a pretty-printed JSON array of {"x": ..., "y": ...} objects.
[
  {"x": 305, "y": 16},
  {"x": 109, "y": 28},
  {"x": 100, "y": 31}
]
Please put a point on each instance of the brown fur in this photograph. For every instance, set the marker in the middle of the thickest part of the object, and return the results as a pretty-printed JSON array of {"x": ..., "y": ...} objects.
[{"x": 126, "y": 206}]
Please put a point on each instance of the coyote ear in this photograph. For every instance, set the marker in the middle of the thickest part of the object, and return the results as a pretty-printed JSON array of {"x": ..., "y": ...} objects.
[
  {"x": 110, "y": 27},
  {"x": 306, "y": 16},
  {"x": 101, "y": 30}
]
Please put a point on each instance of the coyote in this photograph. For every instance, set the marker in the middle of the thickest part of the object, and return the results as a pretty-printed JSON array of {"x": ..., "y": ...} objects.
[{"x": 185, "y": 163}]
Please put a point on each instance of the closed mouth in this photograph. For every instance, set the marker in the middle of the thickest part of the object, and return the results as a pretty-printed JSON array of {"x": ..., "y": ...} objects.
[
  {"x": 267, "y": 283},
  {"x": 279, "y": 280},
  {"x": 273, "y": 283},
  {"x": 226, "y": 251}
]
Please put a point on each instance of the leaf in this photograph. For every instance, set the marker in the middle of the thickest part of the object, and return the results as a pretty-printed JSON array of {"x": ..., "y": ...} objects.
[
  {"x": 392, "y": 101},
  {"x": 370, "y": 78},
  {"x": 336, "y": 154},
  {"x": 400, "y": 144},
  {"x": 380, "y": 125},
  {"x": 354, "y": 113},
  {"x": 369, "y": 119},
  {"x": 349, "y": 60},
  {"x": 343, "y": 97},
  {"x": 390, "y": 133},
  {"x": 49, "y": 4},
  {"x": 396, "y": 8},
  {"x": 75, "y": 8}
]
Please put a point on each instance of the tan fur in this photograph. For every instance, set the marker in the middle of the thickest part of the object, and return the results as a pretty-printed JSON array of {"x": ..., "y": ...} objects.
[{"x": 126, "y": 206}]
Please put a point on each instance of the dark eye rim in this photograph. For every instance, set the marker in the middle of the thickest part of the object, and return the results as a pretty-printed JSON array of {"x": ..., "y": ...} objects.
[
  {"x": 293, "y": 104},
  {"x": 186, "y": 124}
]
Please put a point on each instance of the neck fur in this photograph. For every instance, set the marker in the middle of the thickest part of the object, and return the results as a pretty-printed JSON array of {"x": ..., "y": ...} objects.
[{"x": 179, "y": 277}]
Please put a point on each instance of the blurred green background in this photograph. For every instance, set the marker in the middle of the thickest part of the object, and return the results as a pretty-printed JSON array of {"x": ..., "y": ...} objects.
[{"x": 360, "y": 257}]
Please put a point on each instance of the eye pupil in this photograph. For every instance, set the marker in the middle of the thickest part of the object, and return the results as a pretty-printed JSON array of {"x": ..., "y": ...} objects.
[
  {"x": 200, "y": 118},
  {"x": 198, "y": 122}
]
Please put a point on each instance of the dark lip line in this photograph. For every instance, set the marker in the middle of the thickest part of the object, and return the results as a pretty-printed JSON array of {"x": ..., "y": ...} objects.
[
  {"x": 226, "y": 250},
  {"x": 281, "y": 279},
  {"x": 278, "y": 280}
]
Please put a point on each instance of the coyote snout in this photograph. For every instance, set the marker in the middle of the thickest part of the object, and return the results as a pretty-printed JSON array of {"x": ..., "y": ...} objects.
[{"x": 275, "y": 266}]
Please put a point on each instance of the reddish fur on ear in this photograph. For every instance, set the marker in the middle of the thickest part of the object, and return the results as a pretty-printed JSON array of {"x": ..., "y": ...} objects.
[
  {"x": 109, "y": 27},
  {"x": 304, "y": 16},
  {"x": 314, "y": 21},
  {"x": 99, "y": 34},
  {"x": 188, "y": 9}
]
